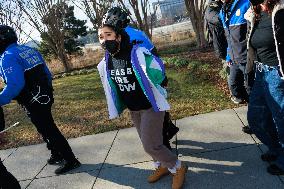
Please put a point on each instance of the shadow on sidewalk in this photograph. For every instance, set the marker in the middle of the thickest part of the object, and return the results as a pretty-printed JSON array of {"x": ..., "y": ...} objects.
[
  {"x": 190, "y": 147},
  {"x": 211, "y": 165},
  {"x": 131, "y": 175},
  {"x": 226, "y": 164},
  {"x": 219, "y": 163}
]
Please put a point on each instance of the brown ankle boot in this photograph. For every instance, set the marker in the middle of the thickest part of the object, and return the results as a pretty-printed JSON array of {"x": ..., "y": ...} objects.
[
  {"x": 179, "y": 176},
  {"x": 157, "y": 174}
]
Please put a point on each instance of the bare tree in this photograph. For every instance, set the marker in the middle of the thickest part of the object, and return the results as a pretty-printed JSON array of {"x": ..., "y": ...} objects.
[
  {"x": 10, "y": 15},
  {"x": 153, "y": 17},
  {"x": 140, "y": 9},
  {"x": 196, "y": 10},
  {"x": 47, "y": 17},
  {"x": 94, "y": 9}
]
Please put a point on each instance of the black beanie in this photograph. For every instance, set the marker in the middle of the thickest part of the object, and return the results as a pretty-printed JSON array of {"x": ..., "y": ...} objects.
[{"x": 256, "y": 2}]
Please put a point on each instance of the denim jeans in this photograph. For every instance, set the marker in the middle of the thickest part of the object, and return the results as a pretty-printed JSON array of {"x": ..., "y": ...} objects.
[
  {"x": 238, "y": 81},
  {"x": 266, "y": 110}
]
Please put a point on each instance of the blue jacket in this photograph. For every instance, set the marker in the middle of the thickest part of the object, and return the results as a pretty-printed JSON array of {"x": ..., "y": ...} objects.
[
  {"x": 138, "y": 35},
  {"x": 236, "y": 29},
  {"x": 14, "y": 63}
]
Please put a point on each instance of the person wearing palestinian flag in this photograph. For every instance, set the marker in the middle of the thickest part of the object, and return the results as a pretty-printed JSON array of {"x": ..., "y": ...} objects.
[{"x": 131, "y": 77}]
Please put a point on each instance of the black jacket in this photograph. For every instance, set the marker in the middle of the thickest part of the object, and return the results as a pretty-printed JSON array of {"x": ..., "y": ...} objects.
[
  {"x": 278, "y": 31},
  {"x": 215, "y": 29}
]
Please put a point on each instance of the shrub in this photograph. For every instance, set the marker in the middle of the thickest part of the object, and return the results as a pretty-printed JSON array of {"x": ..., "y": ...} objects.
[
  {"x": 179, "y": 47},
  {"x": 223, "y": 73},
  {"x": 194, "y": 65},
  {"x": 205, "y": 67},
  {"x": 176, "y": 61}
]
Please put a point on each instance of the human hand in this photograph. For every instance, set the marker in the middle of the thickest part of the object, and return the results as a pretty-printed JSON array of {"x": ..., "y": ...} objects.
[{"x": 229, "y": 63}]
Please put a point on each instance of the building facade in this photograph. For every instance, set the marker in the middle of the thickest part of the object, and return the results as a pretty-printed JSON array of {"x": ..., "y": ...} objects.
[{"x": 169, "y": 9}]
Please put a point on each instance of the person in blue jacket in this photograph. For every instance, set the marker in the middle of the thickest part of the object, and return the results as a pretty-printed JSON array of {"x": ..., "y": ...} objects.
[
  {"x": 235, "y": 25},
  {"x": 120, "y": 17},
  {"x": 28, "y": 80}
]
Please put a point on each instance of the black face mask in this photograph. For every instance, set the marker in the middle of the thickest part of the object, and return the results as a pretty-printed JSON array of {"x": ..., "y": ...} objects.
[{"x": 112, "y": 46}]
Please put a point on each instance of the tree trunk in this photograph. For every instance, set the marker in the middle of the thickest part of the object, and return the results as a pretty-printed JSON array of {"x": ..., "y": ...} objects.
[
  {"x": 195, "y": 10},
  {"x": 201, "y": 40},
  {"x": 63, "y": 58}
]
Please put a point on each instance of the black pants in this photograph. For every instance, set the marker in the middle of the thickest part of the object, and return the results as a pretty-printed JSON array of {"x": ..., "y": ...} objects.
[
  {"x": 7, "y": 180},
  {"x": 240, "y": 83},
  {"x": 39, "y": 112},
  {"x": 2, "y": 120}
]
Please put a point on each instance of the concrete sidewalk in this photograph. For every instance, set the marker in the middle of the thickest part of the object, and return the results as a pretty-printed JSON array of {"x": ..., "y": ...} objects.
[{"x": 218, "y": 153}]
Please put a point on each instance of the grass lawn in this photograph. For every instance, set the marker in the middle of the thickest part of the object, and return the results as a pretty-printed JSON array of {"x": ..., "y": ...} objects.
[{"x": 80, "y": 107}]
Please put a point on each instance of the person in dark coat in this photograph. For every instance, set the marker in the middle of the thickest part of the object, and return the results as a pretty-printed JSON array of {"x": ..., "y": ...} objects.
[
  {"x": 216, "y": 33},
  {"x": 235, "y": 26}
]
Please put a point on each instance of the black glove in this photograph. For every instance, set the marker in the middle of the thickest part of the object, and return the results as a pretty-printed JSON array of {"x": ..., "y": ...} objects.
[{"x": 165, "y": 82}]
